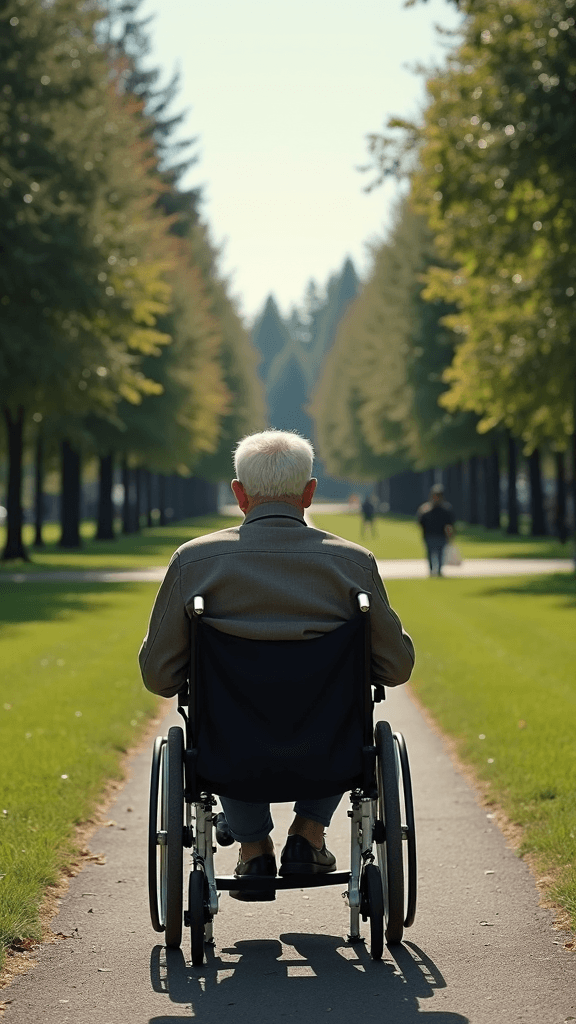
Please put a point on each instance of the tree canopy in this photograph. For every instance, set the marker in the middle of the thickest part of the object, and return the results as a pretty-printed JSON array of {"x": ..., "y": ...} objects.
[{"x": 494, "y": 171}]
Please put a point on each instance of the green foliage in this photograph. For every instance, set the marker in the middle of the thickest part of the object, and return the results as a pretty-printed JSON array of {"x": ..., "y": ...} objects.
[
  {"x": 497, "y": 179},
  {"x": 294, "y": 351},
  {"x": 116, "y": 326},
  {"x": 377, "y": 400},
  {"x": 270, "y": 336},
  {"x": 84, "y": 280},
  {"x": 244, "y": 408}
]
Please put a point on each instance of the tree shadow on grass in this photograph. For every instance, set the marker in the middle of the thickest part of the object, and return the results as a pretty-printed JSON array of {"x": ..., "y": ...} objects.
[
  {"x": 558, "y": 584},
  {"x": 30, "y": 601},
  {"x": 148, "y": 546},
  {"x": 251, "y": 983}
]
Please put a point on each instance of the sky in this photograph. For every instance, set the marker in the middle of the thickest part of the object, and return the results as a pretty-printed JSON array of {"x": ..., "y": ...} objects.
[{"x": 281, "y": 98}]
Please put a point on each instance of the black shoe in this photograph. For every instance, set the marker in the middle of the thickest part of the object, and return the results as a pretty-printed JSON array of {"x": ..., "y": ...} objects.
[
  {"x": 224, "y": 836},
  {"x": 299, "y": 857},
  {"x": 265, "y": 865}
]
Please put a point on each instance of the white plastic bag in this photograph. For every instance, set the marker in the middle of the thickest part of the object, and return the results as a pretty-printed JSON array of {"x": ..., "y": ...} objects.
[{"x": 452, "y": 555}]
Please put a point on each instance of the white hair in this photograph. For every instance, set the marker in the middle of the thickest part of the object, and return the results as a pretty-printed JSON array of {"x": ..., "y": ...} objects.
[{"x": 273, "y": 463}]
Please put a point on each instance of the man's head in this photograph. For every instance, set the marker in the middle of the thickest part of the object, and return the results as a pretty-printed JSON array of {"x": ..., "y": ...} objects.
[
  {"x": 437, "y": 494},
  {"x": 274, "y": 465}
]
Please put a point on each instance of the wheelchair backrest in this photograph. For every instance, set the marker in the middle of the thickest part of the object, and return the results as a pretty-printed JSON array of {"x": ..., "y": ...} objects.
[{"x": 279, "y": 720}]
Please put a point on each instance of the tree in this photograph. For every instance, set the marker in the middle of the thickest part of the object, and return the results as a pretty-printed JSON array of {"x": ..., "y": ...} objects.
[
  {"x": 497, "y": 179},
  {"x": 270, "y": 336},
  {"x": 86, "y": 276},
  {"x": 385, "y": 371}
]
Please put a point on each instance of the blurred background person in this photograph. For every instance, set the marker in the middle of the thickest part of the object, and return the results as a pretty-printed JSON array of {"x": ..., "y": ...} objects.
[
  {"x": 437, "y": 521},
  {"x": 368, "y": 511}
]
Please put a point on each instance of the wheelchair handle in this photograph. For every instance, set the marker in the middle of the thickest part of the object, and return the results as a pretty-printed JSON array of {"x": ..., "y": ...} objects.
[
  {"x": 198, "y": 605},
  {"x": 363, "y": 602}
]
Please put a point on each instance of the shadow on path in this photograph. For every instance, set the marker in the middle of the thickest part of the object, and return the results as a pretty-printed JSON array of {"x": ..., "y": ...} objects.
[{"x": 263, "y": 980}]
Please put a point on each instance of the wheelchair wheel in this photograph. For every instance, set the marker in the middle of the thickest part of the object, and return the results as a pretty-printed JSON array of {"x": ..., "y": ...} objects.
[
  {"x": 168, "y": 854},
  {"x": 156, "y": 852},
  {"x": 372, "y": 906},
  {"x": 197, "y": 914},
  {"x": 389, "y": 844},
  {"x": 409, "y": 833}
]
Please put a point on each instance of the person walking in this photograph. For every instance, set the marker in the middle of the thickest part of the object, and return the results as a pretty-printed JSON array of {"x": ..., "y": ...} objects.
[
  {"x": 368, "y": 516},
  {"x": 437, "y": 521}
]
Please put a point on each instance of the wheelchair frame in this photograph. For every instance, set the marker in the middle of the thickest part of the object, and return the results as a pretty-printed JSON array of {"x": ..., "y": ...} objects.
[{"x": 381, "y": 885}]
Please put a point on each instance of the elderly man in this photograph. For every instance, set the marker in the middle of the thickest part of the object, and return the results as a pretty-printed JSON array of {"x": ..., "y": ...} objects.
[{"x": 272, "y": 578}]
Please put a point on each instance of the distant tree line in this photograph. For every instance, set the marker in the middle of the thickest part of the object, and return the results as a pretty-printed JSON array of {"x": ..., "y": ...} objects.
[
  {"x": 292, "y": 352},
  {"x": 460, "y": 352},
  {"x": 118, "y": 339}
]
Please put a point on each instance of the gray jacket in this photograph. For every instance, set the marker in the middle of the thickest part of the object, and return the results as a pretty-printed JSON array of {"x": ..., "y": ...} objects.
[{"x": 272, "y": 578}]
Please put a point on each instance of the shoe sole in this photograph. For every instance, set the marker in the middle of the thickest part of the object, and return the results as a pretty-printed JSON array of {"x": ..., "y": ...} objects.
[
  {"x": 245, "y": 896},
  {"x": 306, "y": 869}
]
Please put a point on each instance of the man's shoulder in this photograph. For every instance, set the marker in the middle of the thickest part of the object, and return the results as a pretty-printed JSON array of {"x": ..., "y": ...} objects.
[
  {"x": 208, "y": 544},
  {"x": 333, "y": 544}
]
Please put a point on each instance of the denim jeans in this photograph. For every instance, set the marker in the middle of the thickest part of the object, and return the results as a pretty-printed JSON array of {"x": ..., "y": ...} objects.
[
  {"x": 250, "y": 823},
  {"x": 435, "y": 547}
]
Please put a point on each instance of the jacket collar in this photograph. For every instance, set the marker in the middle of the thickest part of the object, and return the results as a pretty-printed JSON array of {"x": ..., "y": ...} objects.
[{"x": 273, "y": 509}]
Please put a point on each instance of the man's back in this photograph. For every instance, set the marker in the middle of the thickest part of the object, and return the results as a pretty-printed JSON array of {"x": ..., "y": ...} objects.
[
  {"x": 272, "y": 578},
  {"x": 434, "y": 517}
]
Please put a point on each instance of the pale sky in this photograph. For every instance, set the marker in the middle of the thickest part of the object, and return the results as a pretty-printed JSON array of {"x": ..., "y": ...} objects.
[{"x": 281, "y": 98}]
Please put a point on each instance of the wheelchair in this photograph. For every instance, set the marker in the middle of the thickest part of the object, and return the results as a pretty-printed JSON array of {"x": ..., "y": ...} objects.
[{"x": 381, "y": 884}]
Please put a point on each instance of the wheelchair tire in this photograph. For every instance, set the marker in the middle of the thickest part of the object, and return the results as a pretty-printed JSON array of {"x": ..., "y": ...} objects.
[
  {"x": 172, "y": 818},
  {"x": 390, "y": 856},
  {"x": 409, "y": 833},
  {"x": 156, "y": 852},
  {"x": 372, "y": 907},
  {"x": 197, "y": 914}
]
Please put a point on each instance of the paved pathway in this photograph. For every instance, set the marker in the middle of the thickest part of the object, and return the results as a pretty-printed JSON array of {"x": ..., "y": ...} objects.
[
  {"x": 392, "y": 569},
  {"x": 481, "y": 951}
]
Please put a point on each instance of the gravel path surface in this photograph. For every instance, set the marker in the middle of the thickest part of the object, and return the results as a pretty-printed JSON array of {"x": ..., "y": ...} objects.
[{"x": 482, "y": 950}]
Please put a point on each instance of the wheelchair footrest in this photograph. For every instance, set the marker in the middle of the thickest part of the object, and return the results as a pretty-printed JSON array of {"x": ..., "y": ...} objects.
[{"x": 255, "y": 882}]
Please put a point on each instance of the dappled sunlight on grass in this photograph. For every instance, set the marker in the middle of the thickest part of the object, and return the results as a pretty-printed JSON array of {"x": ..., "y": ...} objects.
[{"x": 152, "y": 546}]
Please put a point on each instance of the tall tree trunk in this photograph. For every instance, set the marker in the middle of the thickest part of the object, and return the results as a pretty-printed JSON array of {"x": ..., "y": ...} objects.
[
  {"x": 560, "y": 523},
  {"x": 493, "y": 489},
  {"x": 458, "y": 496},
  {"x": 148, "y": 489},
  {"x": 473, "y": 517},
  {"x": 482, "y": 479},
  {"x": 14, "y": 546},
  {"x": 137, "y": 498},
  {"x": 105, "y": 522},
  {"x": 126, "y": 499},
  {"x": 536, "y": 495},
  {"x": 512, "y": 493},
  {"x": 162, "y": 498},
  {"x": 70, "y": 491},
  {"x": 574, "y": 488},
  {"x": 39, "y": 490}
]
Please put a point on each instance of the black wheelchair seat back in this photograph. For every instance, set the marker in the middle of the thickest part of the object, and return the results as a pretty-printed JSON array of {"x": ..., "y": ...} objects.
[{"x": 279, "y": 720}]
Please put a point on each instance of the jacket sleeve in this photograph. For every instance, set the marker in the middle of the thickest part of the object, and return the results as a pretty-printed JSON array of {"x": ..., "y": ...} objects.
[
  {"x": 392, "y": 648},
  {"x": 165, "y": 653}
]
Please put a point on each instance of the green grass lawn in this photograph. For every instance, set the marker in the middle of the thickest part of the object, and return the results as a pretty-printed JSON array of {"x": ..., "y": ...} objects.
[
  {"x": 495, "y": 666},
  {"x": 71, "y": 703},
  {"x": 152, "y": 546},
  {"x": 400, "y": 537}
]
